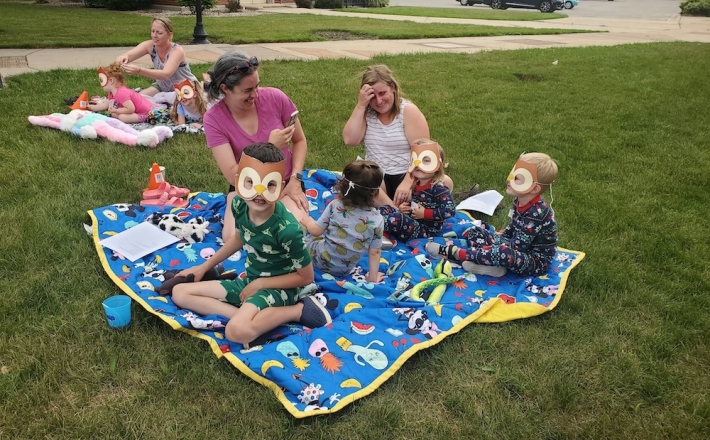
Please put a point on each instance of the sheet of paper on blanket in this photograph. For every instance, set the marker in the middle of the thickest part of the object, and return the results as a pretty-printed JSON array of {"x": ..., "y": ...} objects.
[
  {"x": 484, "y": 202},
  {"x": 139, "y": 241}
]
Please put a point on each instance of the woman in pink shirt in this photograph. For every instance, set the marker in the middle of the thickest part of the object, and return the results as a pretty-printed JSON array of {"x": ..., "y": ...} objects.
[{"x": 245, "y": 114}]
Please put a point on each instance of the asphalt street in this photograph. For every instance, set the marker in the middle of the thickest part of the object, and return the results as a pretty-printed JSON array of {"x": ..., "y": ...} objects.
[{"x": 620, "y": 9}]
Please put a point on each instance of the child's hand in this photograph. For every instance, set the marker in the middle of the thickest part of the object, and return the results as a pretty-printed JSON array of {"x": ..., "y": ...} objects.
[
  {"x": 377, "y": 279},
  {"x": 405, "y": 208},
  {"x": 197, "y": 271},
  {"x": 248, "y": 291}
]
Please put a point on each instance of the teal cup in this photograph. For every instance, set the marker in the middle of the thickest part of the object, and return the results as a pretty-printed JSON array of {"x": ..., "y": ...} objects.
[{"x": 118, "y": 311}]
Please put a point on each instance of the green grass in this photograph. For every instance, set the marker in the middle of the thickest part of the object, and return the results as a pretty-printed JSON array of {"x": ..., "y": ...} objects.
[
  {"x": 43, "y": 26},
  {"x": 624, "y": 356},
  {"x": 462, "y": 12}
]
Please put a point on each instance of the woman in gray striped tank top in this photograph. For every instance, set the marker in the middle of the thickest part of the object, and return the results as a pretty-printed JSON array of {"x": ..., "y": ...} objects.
[
  {"x": 387, "y": 124},
  {"x": 169, "y": 61}
]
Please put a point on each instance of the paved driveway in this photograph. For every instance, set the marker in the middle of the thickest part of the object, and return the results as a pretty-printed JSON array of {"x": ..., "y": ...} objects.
[{"x": 623, "y": 9}]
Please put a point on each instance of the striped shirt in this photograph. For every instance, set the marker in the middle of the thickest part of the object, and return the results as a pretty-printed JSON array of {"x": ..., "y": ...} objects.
[{"x": 386, "y": 145}]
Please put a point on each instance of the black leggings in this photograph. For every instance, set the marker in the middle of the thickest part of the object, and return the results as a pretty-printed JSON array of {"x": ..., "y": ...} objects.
[{"x": 392, "y": 181}]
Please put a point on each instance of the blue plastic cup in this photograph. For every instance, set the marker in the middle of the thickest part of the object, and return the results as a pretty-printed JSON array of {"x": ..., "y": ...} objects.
[{"x": 118, "y": 311}]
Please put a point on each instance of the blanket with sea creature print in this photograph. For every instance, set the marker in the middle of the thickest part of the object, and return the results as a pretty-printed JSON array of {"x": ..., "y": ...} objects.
[{"x": 375, "y": 328}]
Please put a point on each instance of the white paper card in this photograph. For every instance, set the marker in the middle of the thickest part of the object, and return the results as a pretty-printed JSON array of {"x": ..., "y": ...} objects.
[
  {"x": 485, "y": 202},
  {"x": 359, "y": 158},
  {"x": 139, "y": 241}
]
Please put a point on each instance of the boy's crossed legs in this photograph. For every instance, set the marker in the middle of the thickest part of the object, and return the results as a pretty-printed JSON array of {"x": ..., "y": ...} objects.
[{"x": 260, "y": 313}]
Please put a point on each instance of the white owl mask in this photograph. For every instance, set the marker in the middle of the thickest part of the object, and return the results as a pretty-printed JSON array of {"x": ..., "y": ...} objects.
[
  {"x": 425, "y": 157},
  {"x": 256, "y": 178}
]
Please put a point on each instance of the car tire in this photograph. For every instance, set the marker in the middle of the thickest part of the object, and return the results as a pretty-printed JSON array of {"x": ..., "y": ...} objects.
[
  {"x": 496, "y": 4},
  {"x": 463, "y": 2},
  {"x": 569, "y": 5},
  {"x": 547, "y": 6}
]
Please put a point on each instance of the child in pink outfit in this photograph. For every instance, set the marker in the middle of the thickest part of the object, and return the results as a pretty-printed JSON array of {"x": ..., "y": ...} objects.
[{"x": 123, "y": 103}]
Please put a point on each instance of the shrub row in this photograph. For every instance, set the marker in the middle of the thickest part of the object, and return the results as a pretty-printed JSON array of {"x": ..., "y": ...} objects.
[
  {"x": 119, "y": 5},
  {"x": 695, "y": 7}
]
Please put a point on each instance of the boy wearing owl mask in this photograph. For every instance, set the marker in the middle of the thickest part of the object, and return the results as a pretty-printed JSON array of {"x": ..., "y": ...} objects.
[
  {"x": 277, "y": 262},
  {"x": 529, "y": 242}
]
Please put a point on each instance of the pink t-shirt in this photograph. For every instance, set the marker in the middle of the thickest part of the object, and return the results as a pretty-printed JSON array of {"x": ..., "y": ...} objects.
[
  {"x": 123, "y": 94},
  {"x": 273, "y": 109}
]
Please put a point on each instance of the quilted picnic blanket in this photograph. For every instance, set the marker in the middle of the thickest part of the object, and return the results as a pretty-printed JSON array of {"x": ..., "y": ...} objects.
[{"x": 375, "y": 328}]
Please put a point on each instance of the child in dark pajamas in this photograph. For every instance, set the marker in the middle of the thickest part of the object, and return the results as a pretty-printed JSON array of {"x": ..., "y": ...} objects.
[
  {"x": 529, "y": 242},
  {"x": 431, "y": 202}
]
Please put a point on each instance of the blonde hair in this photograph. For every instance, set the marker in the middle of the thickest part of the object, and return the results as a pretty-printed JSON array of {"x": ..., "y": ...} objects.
[
  {"x": 199, "y": 97},
  {"x": 546, "y": 167},
  {"x": 381, "y": 73},
  {"x": 440, "y": 173},
  {"x": 167, "y": 24},
  {"x": 115, "y": 71}
]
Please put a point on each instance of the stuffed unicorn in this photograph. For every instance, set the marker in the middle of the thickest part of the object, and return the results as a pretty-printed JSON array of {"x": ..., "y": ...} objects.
[{"x": 89, "y": 125}]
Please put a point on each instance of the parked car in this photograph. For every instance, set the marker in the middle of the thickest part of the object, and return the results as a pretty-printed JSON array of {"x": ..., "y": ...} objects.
[
  {"x": 468, "y": 2},
  {"x": 569, "y": 4},
  {"x": 542, "y": 5}
]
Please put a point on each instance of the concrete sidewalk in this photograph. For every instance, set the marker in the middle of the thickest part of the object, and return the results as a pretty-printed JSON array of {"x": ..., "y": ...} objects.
[{"x": 695, "y": 29}]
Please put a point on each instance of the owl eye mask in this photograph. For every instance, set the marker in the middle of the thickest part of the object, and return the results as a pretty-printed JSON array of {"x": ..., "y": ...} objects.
[
  {"x": 256, "y": 178},
  {"x": 185, "y": 89},
  {"x": 523, "y": 177},
  {"x": 426, "y": 157},
  {"x": 103, "y": 77}
]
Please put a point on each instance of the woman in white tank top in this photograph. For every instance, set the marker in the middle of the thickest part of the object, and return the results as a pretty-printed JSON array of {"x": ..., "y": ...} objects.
[{"x": 387, "y": 124}]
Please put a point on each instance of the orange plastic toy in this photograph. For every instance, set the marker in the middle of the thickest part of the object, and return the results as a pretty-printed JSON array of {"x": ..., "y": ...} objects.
[
  {"x": 156, "y": 177},
  {"x": 82, "y": 103}
]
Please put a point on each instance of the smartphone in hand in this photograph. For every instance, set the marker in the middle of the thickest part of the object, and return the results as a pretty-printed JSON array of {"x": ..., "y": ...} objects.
[{"x": 293, "y": 118}]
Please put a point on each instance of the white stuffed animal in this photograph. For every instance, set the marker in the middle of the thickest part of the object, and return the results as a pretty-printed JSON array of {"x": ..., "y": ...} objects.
[{"x": 194, "y": 231}]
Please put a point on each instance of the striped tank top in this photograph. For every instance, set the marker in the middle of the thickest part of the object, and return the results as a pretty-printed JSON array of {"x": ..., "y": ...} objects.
[
  {"x": 183, "y": 71},
  {"x": 387, "y": 145}
]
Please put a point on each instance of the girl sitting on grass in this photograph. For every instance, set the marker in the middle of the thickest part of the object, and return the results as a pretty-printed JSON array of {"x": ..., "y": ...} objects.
[
  {"x": 190, "y": 104},
  {"x": 123, "y": 103}
]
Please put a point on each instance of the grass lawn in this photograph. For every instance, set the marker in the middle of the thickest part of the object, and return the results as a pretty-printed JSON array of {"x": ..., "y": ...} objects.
[
  {"x": 32, "y": 26},
  {"x": 462, "y": 12},
  {"x": 625, "y": 355}
]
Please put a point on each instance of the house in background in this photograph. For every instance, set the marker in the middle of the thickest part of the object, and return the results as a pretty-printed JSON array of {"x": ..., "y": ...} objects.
[{"x": 244, "y": 3}]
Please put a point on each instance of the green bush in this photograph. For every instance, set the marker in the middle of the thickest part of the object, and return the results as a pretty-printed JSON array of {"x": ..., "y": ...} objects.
[
  {"x": 95, "y": 3},
  {"x": 695, "y": 7},
  {"x": 206, "y": 4},
  {"x": 329, "y": 4},
  {"x": 377, "y": 3},
  {"x": 234, "y": 6},
  {"x": 304, "y": 4},
  {"x": 127, "y": 5}
]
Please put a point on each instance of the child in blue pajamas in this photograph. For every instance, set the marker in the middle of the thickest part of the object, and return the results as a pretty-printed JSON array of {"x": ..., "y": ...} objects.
[
  {"x": 529, "y": 242},
  {"x": 431, "y": 202}
]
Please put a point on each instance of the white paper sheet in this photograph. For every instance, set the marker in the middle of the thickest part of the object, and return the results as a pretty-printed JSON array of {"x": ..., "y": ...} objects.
[
  {"x": 139, "y": 241},
  {"x": 484, "y": 202}
]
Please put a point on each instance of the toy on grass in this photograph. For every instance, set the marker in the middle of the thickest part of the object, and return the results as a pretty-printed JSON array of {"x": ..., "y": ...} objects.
[
  {"x": 82, "y": 102},
  {"x": 443, "y": 275},
  {"x": 89, "y": 125},
  {"x": 172, "y": 280}
]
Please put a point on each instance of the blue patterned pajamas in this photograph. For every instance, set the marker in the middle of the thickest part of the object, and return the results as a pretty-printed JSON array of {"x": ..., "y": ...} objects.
[
  {"x": 525, "y": 247},
  {"x": 438, "y": 204}
]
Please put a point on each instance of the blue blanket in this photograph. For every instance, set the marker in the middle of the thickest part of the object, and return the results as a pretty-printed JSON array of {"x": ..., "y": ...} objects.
[{"x": 375, "y": 328}]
